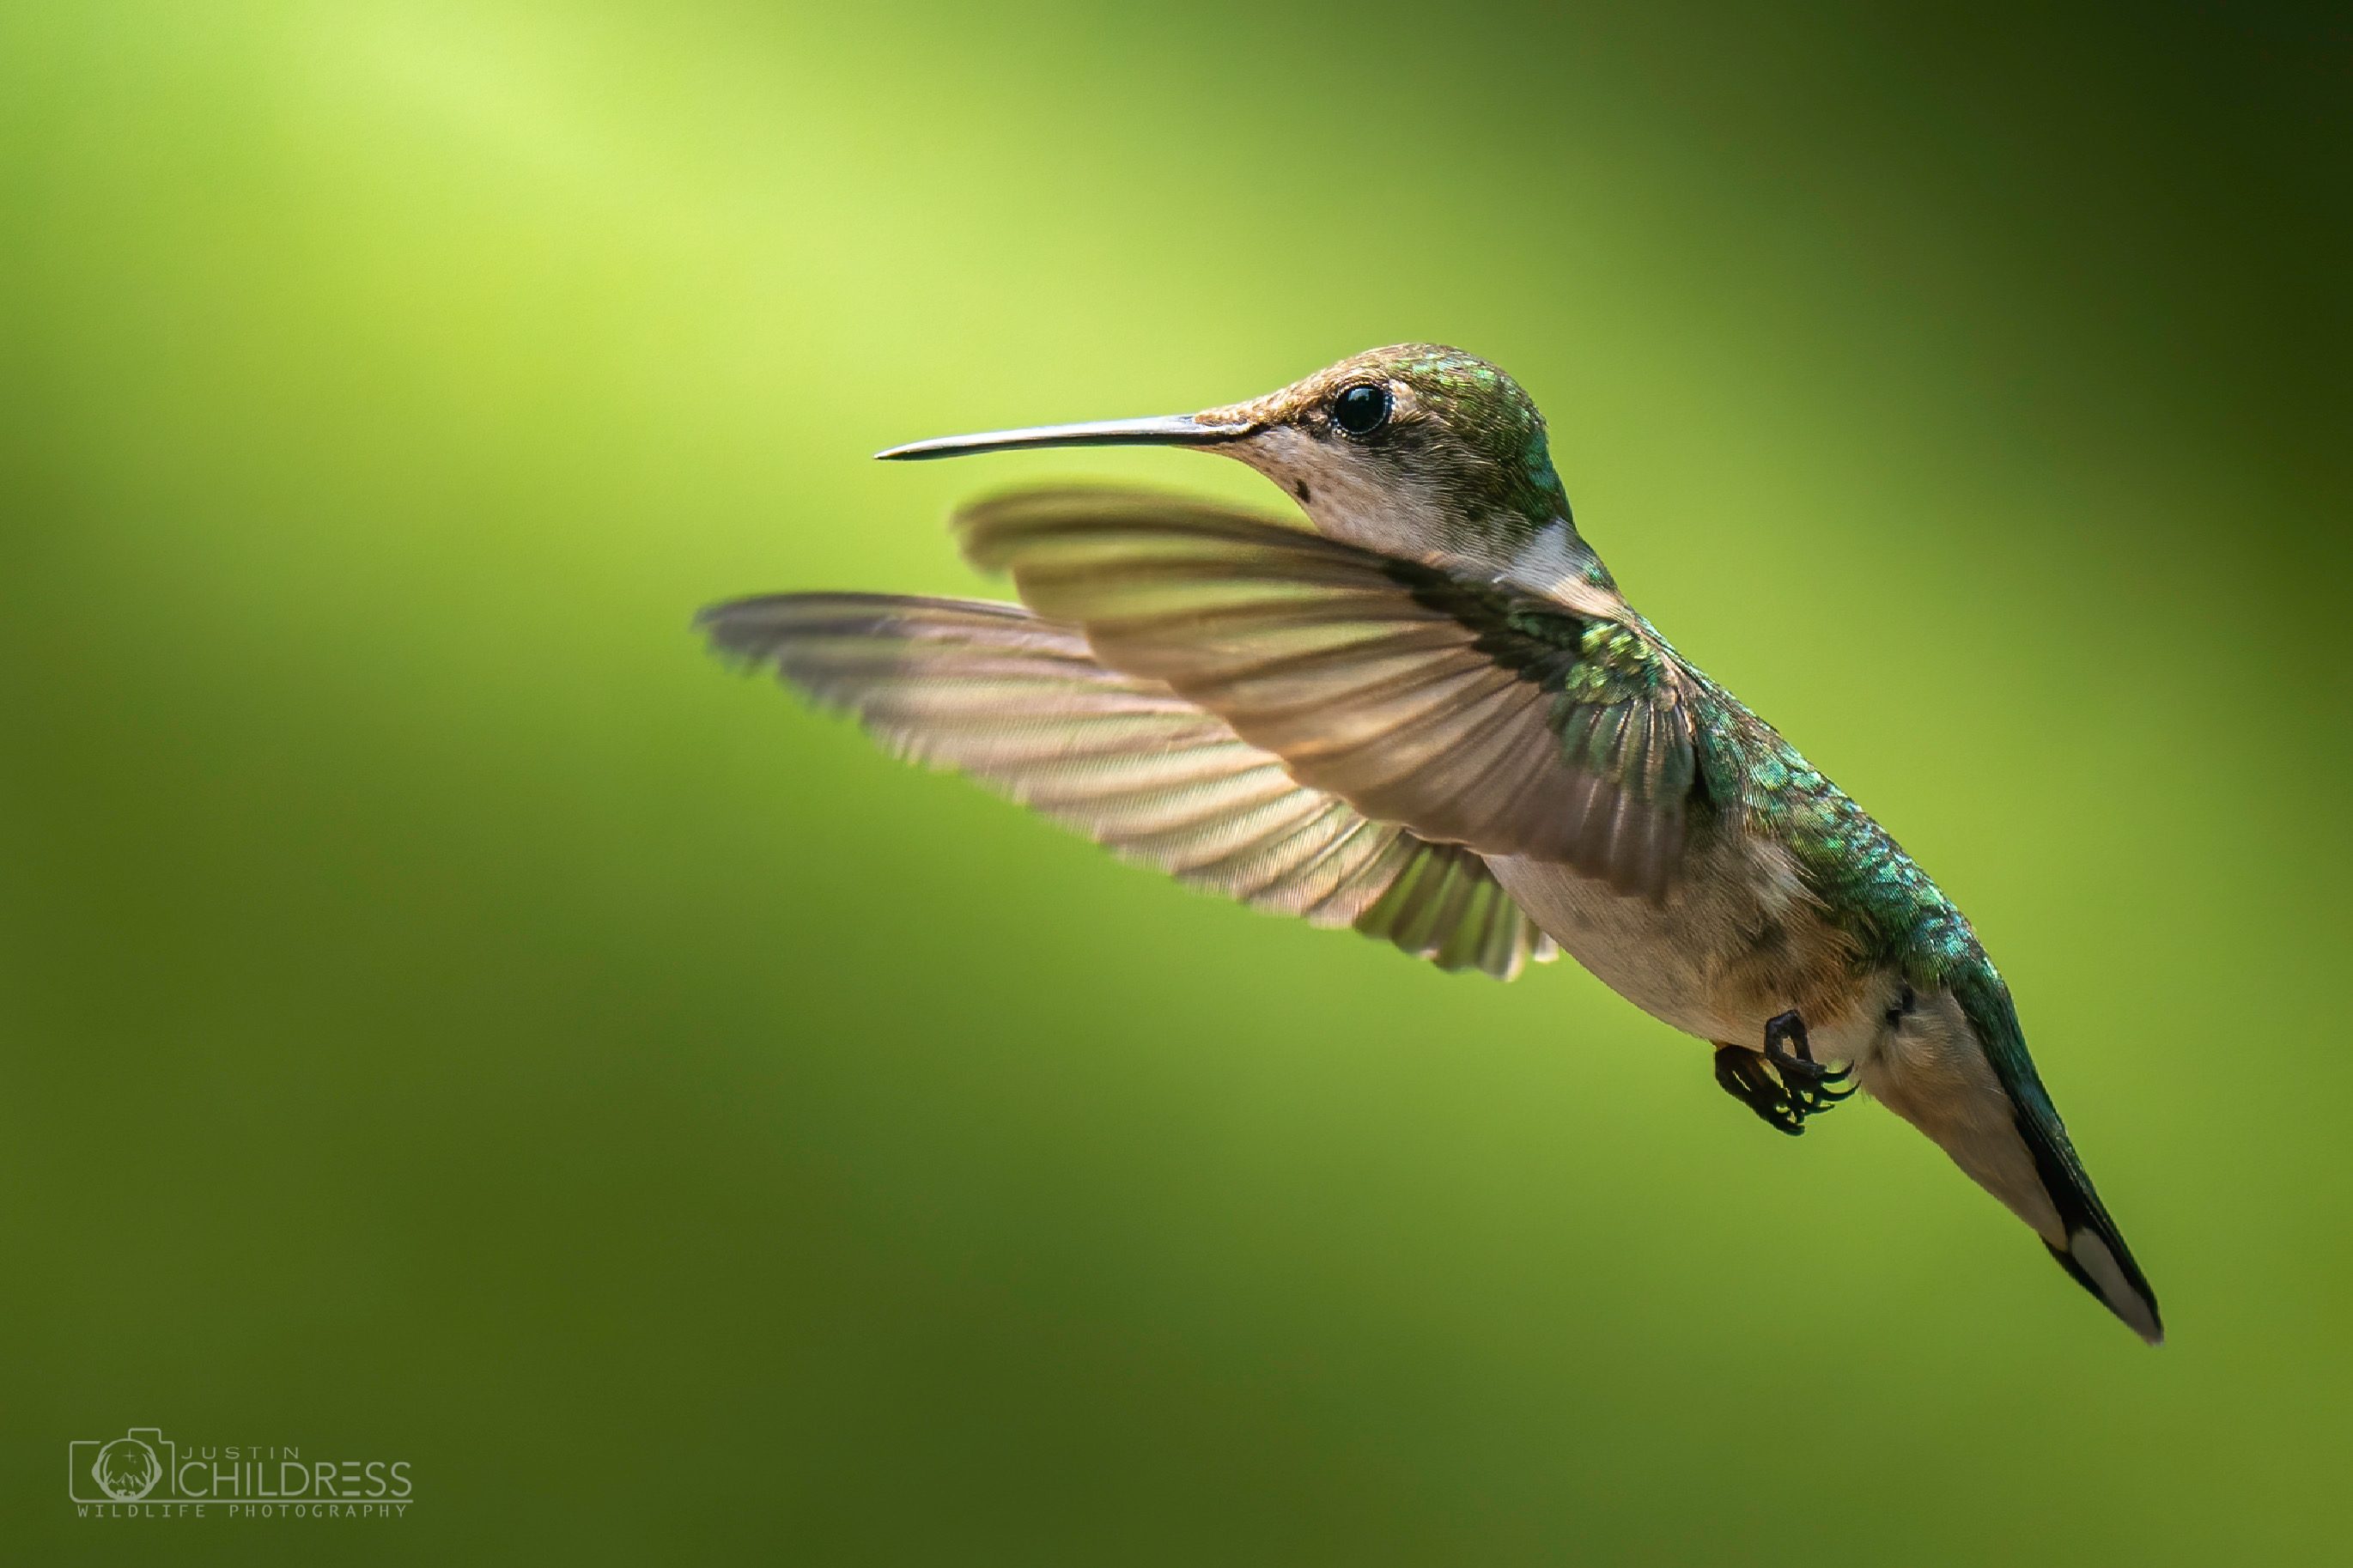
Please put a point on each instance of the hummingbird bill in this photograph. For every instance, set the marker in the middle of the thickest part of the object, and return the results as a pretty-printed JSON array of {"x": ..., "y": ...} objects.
[{"x": 1418, "y": 705}]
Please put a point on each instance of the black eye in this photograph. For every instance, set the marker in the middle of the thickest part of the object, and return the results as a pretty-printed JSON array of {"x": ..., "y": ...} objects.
[{"x": 1361, "y": 409}]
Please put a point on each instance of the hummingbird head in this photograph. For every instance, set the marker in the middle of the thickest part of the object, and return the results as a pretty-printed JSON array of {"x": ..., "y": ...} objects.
[{"x": 1417, "y": 450}]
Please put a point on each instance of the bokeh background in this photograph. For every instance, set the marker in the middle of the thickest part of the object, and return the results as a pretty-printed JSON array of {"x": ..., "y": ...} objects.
[{"x": 448, "y": 1018}]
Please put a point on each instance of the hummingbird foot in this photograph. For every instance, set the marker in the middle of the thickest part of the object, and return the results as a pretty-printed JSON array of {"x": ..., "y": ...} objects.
[{"x": 1781, "y": 1083}]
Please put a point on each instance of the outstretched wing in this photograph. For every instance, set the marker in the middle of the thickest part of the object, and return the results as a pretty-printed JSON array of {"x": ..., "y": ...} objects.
[
  {"x": 1023, "y": 704},
  {"x": 1469, "y": 712}
]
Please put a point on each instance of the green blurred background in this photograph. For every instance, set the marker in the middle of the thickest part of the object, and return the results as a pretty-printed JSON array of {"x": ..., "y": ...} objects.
[{"x": 448, "y": 1018}]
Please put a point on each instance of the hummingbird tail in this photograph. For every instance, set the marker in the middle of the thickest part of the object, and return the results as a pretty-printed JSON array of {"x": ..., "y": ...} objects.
[{"x": 2072, "y": 1222}]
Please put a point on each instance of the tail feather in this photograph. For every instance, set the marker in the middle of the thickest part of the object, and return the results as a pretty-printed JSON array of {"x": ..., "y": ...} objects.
[{"x": 2094, "y": 1253}]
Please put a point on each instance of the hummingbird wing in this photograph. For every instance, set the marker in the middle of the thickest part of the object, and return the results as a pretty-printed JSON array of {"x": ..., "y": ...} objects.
[
  {"x": 1469, "y": 711},
  {"x": 1023, "y": 705}
]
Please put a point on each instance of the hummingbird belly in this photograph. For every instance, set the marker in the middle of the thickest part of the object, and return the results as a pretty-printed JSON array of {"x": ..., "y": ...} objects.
[{"x": 1738, "y": 941}]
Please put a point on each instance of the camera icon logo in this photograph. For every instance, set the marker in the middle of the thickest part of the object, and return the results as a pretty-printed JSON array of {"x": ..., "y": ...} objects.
[{"x": 124, "y": 1469}]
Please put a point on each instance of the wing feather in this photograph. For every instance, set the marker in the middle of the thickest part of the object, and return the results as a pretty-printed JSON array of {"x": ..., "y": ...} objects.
[
  {"x": 1024, "y": 706},
  {"x": 1466, "y": 713}
]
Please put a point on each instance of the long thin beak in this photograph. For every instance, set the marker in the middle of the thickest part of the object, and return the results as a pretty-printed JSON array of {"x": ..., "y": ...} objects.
[{"x": 1167, "y": 430}]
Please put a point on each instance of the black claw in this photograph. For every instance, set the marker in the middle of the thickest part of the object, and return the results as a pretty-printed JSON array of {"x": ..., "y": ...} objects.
[
  {"x": 1782, "y": 1083},
  {"x": 1742, "y": 1074}
]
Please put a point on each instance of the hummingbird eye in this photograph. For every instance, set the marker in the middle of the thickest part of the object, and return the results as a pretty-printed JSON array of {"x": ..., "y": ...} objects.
[{"x": 1361, "y": 409}]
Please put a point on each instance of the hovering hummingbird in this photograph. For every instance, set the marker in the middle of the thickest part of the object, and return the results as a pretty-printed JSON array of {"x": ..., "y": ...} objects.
[{"x": 1431, "y": 716}]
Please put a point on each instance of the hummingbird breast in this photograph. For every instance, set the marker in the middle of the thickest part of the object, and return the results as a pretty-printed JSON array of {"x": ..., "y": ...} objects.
[{"x": 1737, "y": 941}]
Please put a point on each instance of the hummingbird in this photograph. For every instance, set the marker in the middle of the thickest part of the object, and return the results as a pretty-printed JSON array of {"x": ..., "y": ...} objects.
[{"x": 1418, "y": 706}]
